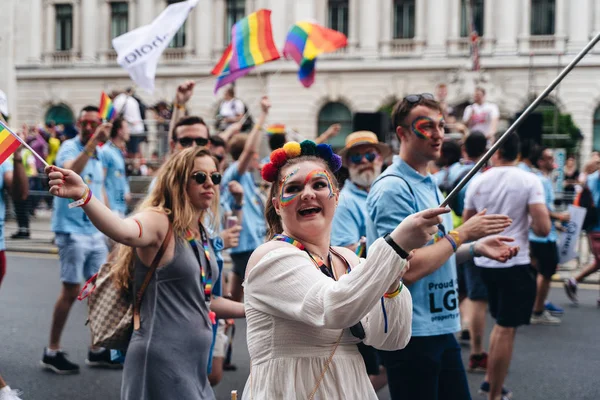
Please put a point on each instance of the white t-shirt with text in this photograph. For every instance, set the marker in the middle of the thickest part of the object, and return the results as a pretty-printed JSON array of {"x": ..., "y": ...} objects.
[
  {"x": 508, "y": 191},
  {"x": 481, "y": 117}
]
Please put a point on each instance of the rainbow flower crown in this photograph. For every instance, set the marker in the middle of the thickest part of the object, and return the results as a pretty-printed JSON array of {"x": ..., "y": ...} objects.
[{"x": 291, "y": 150}]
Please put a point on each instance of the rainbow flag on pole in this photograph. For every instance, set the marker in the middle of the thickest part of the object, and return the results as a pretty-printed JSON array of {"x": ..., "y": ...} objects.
[
  {"x": 9, "y": 143},
  {"x": 307, "y": 40},
  {"x": 251, "y": 44},
  {"x": 107, "y": 110}
]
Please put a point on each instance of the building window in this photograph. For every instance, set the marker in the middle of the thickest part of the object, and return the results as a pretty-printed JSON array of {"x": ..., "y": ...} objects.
[
  {"x": 335, "y": 113},
  {"x": 179, "y": 38},
  {"x": 596, "y": 144},
  {"x": 236, "y": 10},
  {"x": 474, "y": 16},
  {"x": 542, "y": 17},
  {"x": 404, "y": 19},
  {"x": 60, "y": 114},
  {"x": 338, "y": 15},
  {"x": 64, "y": 27},
  {"x": 119, "y": 19}
]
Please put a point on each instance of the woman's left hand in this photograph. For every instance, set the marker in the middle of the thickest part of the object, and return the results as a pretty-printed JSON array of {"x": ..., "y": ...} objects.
[
  {"x": 481, "y": 225},
  {"x": 496, "y": 248}
]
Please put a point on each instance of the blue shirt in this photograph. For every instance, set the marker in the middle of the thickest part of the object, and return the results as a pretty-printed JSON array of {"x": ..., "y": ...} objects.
[
  {"x": 253, "y": 214},
  {"x": 74, "y": 220},
  {"x": 435, "y": 298},
  {"x": 115, "y": 180},
  {"x": 7, "y": 166},
  {"x": 549, "y": 196},
  {"x": 350, "y": 220},
  {"x": 593, "y": 183},
  {"x": 461, "y": 169}
]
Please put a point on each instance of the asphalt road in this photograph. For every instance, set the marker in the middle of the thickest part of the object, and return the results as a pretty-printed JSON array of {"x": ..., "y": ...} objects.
[{"x": 553, "y": 363}]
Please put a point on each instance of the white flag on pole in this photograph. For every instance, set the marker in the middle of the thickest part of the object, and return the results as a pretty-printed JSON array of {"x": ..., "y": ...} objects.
[
  {"x": 3, "y": 103},
  {"x": 567, "y": 242},
  {"x": 138, "y": 51}
]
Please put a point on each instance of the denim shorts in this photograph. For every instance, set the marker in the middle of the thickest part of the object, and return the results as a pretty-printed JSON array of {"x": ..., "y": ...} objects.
[{"x": 80, "y": 256}]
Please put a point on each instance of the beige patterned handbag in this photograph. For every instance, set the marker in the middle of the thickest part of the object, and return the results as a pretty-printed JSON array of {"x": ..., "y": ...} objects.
[{"x": 112, "y": 313}]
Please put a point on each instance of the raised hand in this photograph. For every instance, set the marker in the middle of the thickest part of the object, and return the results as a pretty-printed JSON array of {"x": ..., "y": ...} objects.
[
  {"x": 496, "y": 248},
  {"x": 265, "y": 104},
  {"x": 184, "y": 92},
  {"x": 481, "y": 225},
  {"x": 65, "y": 183},
  {"x": 418, "y": 229},
  {"x": 102, "y": 133},
  {"x": 236, "y": 190}
]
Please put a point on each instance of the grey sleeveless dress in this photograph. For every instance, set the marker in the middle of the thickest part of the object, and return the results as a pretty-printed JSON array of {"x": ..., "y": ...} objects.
[{"x": 167, "y": 357}]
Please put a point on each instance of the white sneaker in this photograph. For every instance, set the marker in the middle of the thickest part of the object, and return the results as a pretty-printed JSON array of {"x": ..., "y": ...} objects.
[
  {"x": 545, "y": 319},
  {"x": 6, "y": 393}
]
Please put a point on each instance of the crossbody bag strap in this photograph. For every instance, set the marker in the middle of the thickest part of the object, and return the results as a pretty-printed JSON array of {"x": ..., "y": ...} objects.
[{"x": 159, "y": 255}]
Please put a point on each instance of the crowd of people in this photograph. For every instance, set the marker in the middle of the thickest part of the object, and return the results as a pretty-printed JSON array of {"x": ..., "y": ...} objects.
[{"x": 345, "y": 286}]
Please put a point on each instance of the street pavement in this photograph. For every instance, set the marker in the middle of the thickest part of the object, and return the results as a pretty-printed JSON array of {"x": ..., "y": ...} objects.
[{"x": 553, "y": 363}]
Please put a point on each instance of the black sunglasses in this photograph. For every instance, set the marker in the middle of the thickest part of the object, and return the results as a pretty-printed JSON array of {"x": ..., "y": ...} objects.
[
  {"x": 357, "y": 158},
  {"x": 415, "y": 98},
  {"x": 218, "y": 157},
  {"x": 200, "y": 177},
  {"x": 187, "y": 141}
]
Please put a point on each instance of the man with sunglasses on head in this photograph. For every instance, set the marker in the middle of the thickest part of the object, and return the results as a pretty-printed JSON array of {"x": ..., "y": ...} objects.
[
  {"x": 430, "y": 367},
  {"x": 81, "y": 247}
]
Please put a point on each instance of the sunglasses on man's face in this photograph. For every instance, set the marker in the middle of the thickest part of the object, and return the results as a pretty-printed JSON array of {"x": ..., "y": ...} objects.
[
  {"x": 200, "y": 177},
  {"x": 415, "y": 98},
  {"x": 187, "y": 141},
  {"x": 91, "y": 124},
  {"x": 357, "y": 158}
]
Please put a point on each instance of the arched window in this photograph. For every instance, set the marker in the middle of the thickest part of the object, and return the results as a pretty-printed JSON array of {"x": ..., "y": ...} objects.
[
  {"x": 596, "y": 144},
  {"x": 335, "y": 113},
  {"x": 551, "y": 116},
  {"x": 61, "y": 114}
]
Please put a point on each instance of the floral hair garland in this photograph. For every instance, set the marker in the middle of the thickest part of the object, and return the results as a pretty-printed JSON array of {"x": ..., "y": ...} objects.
[{"x": 294, "y": 149}]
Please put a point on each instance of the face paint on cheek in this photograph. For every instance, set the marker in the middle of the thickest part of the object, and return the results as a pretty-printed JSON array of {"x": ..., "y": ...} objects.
[
  {"x": 284, "y": 199},
  {"x": 419, "y": 127}
]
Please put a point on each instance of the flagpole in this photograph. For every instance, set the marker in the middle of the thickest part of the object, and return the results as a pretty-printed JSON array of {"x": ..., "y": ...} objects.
[
  {"x": 24, "y": 144},
  {"x": 519, "y": 120}
]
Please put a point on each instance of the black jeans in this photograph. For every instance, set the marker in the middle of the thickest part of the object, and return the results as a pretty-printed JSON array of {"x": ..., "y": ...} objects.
[{"x": 429, "y": 368}]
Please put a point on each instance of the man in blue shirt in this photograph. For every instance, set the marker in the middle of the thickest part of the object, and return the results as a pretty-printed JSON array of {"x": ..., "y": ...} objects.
[
  {"x": 544, "y": 251},
  {"x": 363, "y": 155},
  {"x": 113, "y": 160},
  {"x": 244, "y": 150},
  {"x": 81, "y": 247},
  {"x": 431, "y": 363}
]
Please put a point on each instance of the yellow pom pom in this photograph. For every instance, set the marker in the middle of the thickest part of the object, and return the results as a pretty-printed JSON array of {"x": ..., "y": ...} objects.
[{"x": 292, "y": 149}]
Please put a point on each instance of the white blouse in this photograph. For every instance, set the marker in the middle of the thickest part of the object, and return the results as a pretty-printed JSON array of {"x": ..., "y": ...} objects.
[{"x": 294, "y": 315}]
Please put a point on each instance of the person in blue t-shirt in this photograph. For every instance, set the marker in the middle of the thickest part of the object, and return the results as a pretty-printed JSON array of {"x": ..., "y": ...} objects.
[
  {"x": 430, "y": 367},
  {"x": 544, "y": 250},
  {"x": 244, "y": 150},
  {"x": 113, "y": 160},
  {"x": 81, "y": 247}
]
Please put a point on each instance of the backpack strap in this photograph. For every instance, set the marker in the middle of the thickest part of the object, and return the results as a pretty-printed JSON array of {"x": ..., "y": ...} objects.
[
  {"x": 159, "y": 255},
  {"x": 409, "y": 188}
]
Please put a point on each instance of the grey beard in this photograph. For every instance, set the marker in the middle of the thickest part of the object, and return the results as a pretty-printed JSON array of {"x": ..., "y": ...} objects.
[{"x": 366, "y": 178}]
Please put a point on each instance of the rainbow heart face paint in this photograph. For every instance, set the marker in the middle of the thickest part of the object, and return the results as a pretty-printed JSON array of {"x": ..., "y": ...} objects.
[
  {"x": 422, "y": 125},
  {"x": 285, "y": 199}
]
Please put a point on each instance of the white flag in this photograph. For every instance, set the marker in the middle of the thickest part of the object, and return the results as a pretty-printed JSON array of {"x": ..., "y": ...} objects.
[
  {"x": 138, "y": 51},
  {"x": 567, "y": 242},
  {"x": 3, "y": 103}
]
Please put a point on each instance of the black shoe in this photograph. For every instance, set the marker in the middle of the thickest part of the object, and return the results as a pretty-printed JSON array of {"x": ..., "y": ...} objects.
[
  {"x": 59, "y": 364},
  {"x": 20, "y": 235},
  {"x": 102, "y": 360}
]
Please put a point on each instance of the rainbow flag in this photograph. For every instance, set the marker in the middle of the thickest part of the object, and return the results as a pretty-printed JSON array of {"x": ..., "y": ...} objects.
[
  {"x": 276, "y": 129},
  {"x": 107, "y": 111},
  {"x": 307, "y": 40},
  {"x": 221, "y": 70},
  {"x": 252, "y": 40},
  {"x": 8, "y": 142}
]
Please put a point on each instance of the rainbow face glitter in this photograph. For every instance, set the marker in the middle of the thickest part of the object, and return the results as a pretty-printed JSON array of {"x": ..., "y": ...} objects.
[
  {"x": 421, "y": 126},
  {"x": 286, "y": 199}
]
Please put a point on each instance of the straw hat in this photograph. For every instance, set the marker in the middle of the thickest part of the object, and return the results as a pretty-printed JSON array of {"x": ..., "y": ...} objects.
[{"x": 362, "y": 138}]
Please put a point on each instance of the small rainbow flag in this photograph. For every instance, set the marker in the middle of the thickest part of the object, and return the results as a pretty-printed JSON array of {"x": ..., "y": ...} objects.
[
  {"x": 276, "y": 129},
  {"x": 107, "y": 111},
  {"x": 252, "y": 40},
  {"x": 8, "y": 142},
  {"x": 221, "y": 70},
  {"x": 307, "y": 40}
]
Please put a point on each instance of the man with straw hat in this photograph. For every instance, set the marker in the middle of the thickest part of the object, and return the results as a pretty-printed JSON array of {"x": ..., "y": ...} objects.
[{"x": 363, "y": 155}]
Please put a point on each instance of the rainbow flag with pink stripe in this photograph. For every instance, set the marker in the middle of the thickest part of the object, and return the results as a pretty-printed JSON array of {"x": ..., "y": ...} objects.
[
  {"x": 251, "y": 45},
  {"x": 307, "y": 40},
  {"x": 107, "y": 110}
]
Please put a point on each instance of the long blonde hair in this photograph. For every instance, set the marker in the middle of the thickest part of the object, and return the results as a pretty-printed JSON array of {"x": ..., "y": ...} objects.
[{"x": 169, "y": 196}]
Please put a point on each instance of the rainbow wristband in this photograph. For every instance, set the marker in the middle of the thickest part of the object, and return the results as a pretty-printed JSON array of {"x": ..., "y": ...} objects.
[
  {"x": 395, "y": 292},
  {"x": 452, "y": 242}
]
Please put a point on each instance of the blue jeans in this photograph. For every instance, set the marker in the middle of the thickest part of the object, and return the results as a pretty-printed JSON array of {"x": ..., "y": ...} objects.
[{"x": 428, "y": 368}]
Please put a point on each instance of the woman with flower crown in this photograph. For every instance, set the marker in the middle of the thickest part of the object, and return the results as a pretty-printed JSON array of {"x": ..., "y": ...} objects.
[{"x": 308, "y": 304}]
